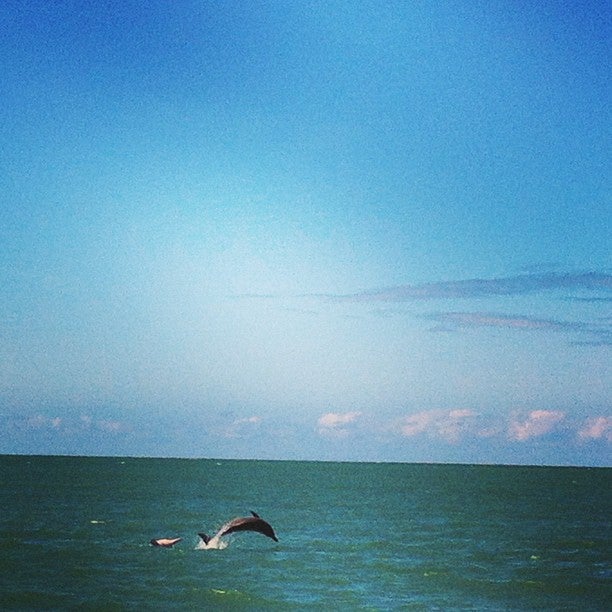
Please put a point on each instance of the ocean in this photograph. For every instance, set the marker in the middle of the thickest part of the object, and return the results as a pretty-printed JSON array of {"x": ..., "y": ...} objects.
[{"x": 75, "y": 533}]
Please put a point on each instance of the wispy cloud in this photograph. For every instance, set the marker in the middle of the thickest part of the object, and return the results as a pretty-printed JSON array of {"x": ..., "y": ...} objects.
[
  {"x": 449, "y": 425},
  {"x": 597, "y": 428},
  {"x": 594, "y": 334},
  {"x": 110, "y": 425},
  {"x": 242, "y": 427},
  {"x": 39, "y": 421},
  {"x": 592, "y": 300},
  {"x": 415, "y": 424},
  {"x": 537, "y": 423},
  {"x": 456, "y": 423},
  {"x": 335, "y": 424},
  {"x": 470, "y": 288},
  {"x": 488, "y": 319},
  {"x": 482, "y": 288},
  {"x": 70, "y": 426},
  {"x": 107, "y": 425},
  {"x": 254, "y": 296},
  {"x": 605, "y": 341},
  {"x": 597, "y": 333}
]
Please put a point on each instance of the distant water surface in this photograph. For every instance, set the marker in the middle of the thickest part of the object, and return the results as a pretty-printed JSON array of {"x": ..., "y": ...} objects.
[{"x": 74, "y": 533}]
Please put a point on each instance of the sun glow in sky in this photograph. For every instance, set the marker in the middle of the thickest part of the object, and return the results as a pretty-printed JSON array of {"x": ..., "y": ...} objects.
[{"x": 313, "y": 229}]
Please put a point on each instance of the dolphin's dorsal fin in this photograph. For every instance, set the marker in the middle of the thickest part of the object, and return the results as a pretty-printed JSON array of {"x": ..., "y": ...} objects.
[
  {"x": 205, "y": 537},
  {"x": 255, "y": 514}
]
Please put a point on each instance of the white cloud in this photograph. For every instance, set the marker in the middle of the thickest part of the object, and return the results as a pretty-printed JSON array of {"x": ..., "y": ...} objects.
[
  {"x": 73, "y": 426},
  {"x": 453, "y": 425},
  {"x": 38, "y": 421},
  {"x": 333, "y": 424},
  {"x": 538, "y": 423},
  {"x": 333, "y": 419},
  {"x": 450, "y": 425},
  {"x": 415, "y": 423},
  {"x": 597, "y": 428},
  {"x": 110, "y": 426},
  {"x": 251, "y": 419},
  {"x": 242, "y": 427}
]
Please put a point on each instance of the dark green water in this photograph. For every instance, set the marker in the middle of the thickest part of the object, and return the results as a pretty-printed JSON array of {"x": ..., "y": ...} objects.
[{"x": 74, "y": 533}]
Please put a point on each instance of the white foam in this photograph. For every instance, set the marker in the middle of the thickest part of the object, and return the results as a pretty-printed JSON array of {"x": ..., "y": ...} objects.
[{"x": 215, "y": 543}]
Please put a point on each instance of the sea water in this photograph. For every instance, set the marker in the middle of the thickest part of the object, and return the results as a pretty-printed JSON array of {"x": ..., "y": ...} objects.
[{"x": 75, "y": 533}]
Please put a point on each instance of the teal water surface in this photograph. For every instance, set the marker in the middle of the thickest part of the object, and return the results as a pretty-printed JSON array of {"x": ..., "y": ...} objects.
[{"x": 75, "y": 532}]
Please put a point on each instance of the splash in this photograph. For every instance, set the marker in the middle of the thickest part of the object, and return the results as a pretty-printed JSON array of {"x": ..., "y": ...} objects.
[{"x": 215, "y": 543}]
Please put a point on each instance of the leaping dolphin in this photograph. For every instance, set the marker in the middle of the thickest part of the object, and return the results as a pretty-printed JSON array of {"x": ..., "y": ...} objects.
[
  {"x": 165, "y": 542},
  {"x": 243, "y": 523}
]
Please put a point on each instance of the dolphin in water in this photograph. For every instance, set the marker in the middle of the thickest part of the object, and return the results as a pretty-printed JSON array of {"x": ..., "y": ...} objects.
[
  {"x": 243, "y": 523},
  {"x": 165, "y": 542}
]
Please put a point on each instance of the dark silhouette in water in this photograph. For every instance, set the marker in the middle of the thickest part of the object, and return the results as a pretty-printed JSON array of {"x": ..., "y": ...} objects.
[
  {"x": 165, "y": 542},
  {"x": 244, "y": 523}
]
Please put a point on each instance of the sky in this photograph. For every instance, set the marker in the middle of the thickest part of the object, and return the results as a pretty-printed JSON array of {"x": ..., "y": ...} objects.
[{"x": 321, "y": 229}]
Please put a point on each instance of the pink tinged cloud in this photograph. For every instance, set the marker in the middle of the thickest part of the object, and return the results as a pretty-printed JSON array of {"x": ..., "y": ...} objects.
[
  {"x": 597, "y": 428},
  {"x": 334, "y": 424},
  {"x": 538, "y": 423},
  {"x": 454, "y": 424},
  {"x": 449, "y": 425}
]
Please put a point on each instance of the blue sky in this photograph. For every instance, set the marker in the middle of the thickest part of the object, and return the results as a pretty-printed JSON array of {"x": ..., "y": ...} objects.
[{"x": 315, "y": 230}]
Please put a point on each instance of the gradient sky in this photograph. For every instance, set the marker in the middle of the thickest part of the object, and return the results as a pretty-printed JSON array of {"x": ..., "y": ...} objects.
[{"x": 316, "y": 229}]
